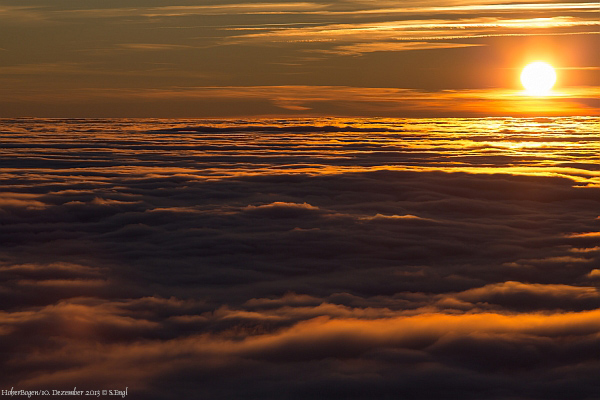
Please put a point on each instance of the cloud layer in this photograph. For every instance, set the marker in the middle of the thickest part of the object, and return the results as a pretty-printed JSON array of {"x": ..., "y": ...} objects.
[{"x": 309, "y": 258}]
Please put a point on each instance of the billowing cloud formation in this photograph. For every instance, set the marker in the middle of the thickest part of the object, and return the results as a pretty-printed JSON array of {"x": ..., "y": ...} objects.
[{"x": 311, "y": 258}]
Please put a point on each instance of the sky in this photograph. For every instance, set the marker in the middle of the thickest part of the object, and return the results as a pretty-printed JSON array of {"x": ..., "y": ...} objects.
[
  {"x": 295, "y": 259},
  {"x": 104, "y": 58}
]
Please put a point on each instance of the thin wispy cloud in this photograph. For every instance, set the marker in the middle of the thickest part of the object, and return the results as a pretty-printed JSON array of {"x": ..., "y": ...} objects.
[
  {"x": 349, "y": 9},
  {"x": 472, "y": 8},
  {"x": 42, "y": 68},
  {"x": 362, "y": 48},
  {"x": 422, "y": 29},
  {"x": 356, "y": 100},
  {"x": 153, "y": 46},
  {"x": 183, "y": 11},
  {"x": 12, "y": 15},
  {"x": 312, "y": 8},
  {"x": 94, "y": 69}
]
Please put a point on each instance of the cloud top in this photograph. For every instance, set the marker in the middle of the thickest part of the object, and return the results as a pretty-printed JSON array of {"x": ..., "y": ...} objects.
[{"x": 314, "y": 258}]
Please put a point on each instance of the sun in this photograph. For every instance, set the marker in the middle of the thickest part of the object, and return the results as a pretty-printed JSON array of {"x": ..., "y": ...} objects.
[{"x": 538, "y": 78}]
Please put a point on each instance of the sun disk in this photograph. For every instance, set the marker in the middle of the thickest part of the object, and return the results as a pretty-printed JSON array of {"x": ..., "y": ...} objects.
[{"x": 538, "y": 78}]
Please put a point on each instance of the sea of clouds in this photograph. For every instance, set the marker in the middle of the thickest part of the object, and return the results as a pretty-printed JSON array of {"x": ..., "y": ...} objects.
[{"x": 302, "y": 259}]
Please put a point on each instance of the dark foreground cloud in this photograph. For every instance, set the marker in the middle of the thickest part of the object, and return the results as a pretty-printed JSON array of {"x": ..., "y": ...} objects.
[{"x": 414, "y": 259}]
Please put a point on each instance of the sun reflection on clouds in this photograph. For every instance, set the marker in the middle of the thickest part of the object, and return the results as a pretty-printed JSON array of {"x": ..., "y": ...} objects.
[{"x": 212, "y": 255}]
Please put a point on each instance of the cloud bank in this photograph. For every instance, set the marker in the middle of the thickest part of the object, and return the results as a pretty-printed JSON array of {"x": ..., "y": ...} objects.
[{"x": 310, "y": 258}]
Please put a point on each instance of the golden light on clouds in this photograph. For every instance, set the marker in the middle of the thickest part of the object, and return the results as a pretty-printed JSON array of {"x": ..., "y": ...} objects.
[
  {"x": 353, "y": 247},
  {"x": 332, "y": 199}
]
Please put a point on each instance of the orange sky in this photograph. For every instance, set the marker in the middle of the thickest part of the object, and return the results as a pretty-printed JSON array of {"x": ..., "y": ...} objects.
[{"x": 232, "y": 58}]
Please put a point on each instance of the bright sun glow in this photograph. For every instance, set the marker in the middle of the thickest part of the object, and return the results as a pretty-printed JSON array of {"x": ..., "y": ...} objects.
[{"x": 538, "y": 78}]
